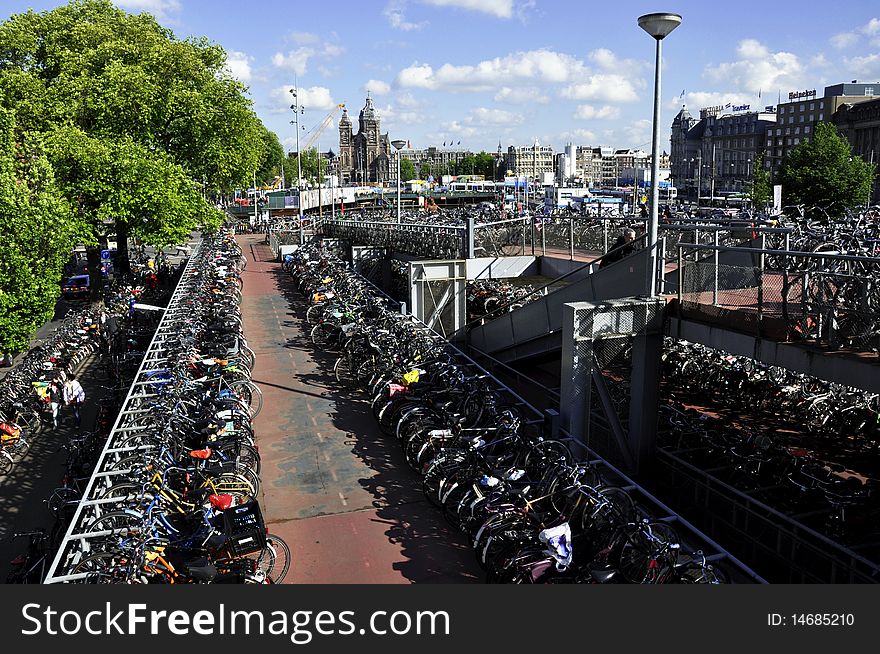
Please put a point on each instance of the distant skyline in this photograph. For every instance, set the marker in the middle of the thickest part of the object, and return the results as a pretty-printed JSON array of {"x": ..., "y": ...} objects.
[{"x": 484, "y": 71}]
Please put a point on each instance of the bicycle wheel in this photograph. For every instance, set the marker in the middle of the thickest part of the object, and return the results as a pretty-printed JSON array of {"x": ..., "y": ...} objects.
[
  {"x": 20, "y": 450},
  {"x": 103, "y": 568},
  {"x": 342, "y": 369},
  {"x": 649, "y": 554},
  {"x": 274, "y": 559},
  {"x": 60, "y": 499},
  {"x": 6, "y": 463}
]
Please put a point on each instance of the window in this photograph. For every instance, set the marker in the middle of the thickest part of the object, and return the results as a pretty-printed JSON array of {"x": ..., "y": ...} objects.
[
  {"x": 778, "y": 132},
  {"x": 797, "y": 130},
  {"x": 802, "y": 119},
  {"x": 812, "y": 106},
  {"x": 788, "y": 141},
  {"x": 797, "y": 141},
  {"x": 869, "y": 91},
  {"x": 769, "y": 141},
  {"x": 821, "y": 117},
  {"x": 822, "y": 104},
  {"x": 766, "y": 164},
  {"x": 806, "y": 129},
  {"x": 791, "y": 109},
  {"x": 802, "y": 108},
  {"x": 787, "y": 131}
]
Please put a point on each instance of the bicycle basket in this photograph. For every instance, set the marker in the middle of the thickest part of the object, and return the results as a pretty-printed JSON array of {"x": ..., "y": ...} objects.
[
  {"x": 244, "y": 529},
  {"x": 9, "y": 432}
]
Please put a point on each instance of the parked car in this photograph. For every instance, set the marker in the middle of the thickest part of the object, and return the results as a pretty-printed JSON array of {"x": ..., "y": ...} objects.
[{"x": 76, "y": 288}]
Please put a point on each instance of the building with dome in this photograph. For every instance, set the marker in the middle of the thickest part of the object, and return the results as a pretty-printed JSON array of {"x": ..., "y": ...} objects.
[{"x": 365, "y": 157}]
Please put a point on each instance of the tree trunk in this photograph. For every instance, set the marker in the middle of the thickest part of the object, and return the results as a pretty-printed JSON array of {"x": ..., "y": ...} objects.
[
  {"x": 96, "y": 282},
  {"x": 121, "y": 267}
]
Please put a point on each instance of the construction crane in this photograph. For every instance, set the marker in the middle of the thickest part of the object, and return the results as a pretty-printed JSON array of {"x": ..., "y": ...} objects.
[{"x": 328, "y": 120}]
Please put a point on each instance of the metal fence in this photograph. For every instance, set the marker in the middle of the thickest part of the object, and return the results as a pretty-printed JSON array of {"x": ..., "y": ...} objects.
[
  {"x": 424, "y": 240},
  {"x": 829, "y": 299},
  {"x": 77, "y": 540}
]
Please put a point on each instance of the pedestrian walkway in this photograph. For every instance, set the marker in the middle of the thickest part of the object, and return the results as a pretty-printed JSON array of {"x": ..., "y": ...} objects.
[{"x": 334, "y": 487}]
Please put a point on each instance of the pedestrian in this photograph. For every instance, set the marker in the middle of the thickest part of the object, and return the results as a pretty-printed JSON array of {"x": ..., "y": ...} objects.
[
  {"x": 622, "y": 247},
  {"x": 644, "y": 211},
  {"x": 56, "y": 397},
  {"x": 74, "y": 396}
]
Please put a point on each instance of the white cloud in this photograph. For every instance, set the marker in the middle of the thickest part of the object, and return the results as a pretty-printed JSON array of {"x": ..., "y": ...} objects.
[
  {"x": 638, "y": 134},
  {"x": 585, "y": 134},
  {"x": 394, "y": 13},
  {"x": 407, "y": 100},
  {"x": 295, "y": 60},
  {"x": 497, "y": 8},
  {"x": 521, "y": 95},
  {"x": 391, "y": 116},
  {"x": 603, "y": 87},
  {"x": 377, "y": 87},
  {"x": 865, "y": 67},
  {"x": 752, "y": 49},
  {"x": 819, "y": 61},
  {"x": 332, "y": 50},
  {"x": 696, "y": 100},
  {"x": 161, "y": 9},
  {"x": 844, "y": 40},
  {"x": 873, "y": 27},
  {"x": 311, "y": 98},
  {"x": 298, "y": 60},
  {"x": 589, "y": 112},
  {"x": 303, "y": 38},
  {"x": 608, "y": 61},
  {"x": 758, "y": 68},
  {"x": 484, "y": 116},
  {"x": 239, "y": 65},
  {"x": 539, "y": 65}
]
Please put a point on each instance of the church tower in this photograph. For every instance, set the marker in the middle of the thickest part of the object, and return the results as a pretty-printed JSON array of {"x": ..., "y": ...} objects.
[{"x": 346, "y": 155}]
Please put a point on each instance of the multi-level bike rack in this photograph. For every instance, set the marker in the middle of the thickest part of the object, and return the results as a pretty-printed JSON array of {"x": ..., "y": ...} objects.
[{"x": 77, "y": 541}]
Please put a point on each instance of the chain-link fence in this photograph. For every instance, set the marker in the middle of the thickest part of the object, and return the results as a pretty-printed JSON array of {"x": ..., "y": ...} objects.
[
  {"x": 831, "y": 300},
  {"x": 429, "y": 241}
]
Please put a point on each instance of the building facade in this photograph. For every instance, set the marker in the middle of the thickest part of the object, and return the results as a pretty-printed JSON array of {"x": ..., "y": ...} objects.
[
  {"x": 860, "y": 124},
  {"x": 365, "y": 157},
  {"x": 717, "y": 153},
  {"x": 531, "y": 161},
  {"x": 796, "y": 119}
]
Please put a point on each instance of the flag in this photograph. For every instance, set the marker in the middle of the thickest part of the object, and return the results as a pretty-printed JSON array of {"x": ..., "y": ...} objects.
[
  {"x": 444, "y": 144},
  {"x": 682, "y": 94},
  {"x": 459, "y": 143},
  {"x": 408, "y": 146},
  {"x": 759, "y": 94},
  {"x": 727, "y": 106}
]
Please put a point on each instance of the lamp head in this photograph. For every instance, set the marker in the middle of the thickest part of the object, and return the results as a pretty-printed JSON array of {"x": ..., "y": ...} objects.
[
  {"x": 659, "y": 25},
  {"x": 398, "y": 143}
]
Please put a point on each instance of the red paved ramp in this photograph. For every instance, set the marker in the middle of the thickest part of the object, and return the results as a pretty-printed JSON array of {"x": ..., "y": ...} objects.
[{"x": 334, "y": 487}]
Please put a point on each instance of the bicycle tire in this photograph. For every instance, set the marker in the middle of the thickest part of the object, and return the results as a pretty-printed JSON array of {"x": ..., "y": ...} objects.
[
  {"x": 274, "y": 559},
  {"x": 106, "y": 568}
]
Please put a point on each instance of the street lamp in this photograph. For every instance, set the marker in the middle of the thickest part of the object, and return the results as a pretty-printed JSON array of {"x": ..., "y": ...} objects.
[
  {"x": 659, "y": 26},
  {"x": 398, "y": 144}
]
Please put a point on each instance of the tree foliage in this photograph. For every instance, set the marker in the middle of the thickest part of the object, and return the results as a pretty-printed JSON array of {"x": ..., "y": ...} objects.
[
  {"x": 759, "y": 190},
  {"x": 36, "y": 229},
  {"x": 824, "y": 172},
  {"x": 407, "y": 169},
  {"x": 135, "y": 125},
  {"x": 273, "y": 157}
]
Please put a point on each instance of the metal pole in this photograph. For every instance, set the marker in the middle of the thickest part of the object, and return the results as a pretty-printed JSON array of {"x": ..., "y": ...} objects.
[
  {"x": 398, "y": 187},
  {"x": 715, "y": 285},
  {"x": 761, "y": 261},
  {"x": 712, "y": 185},
  {"x": 655, "y": 187},
  {"x": 543, "y": 241},
  {"x": 571, "y": 238},
  {"x": 255, "y": 198}
]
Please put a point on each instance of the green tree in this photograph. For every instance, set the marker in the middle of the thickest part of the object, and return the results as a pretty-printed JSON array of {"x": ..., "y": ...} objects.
[
  {"x": 824, "y": 172},
  {"x": 407, "y": 169},
  {"x": 759, "y": 190},
  {"x": 273, "y": 157},
  {"x": 36, "y": 229},
  {"x": 314, "y": 167},
  {"x": 485, "y": 165},
  {"x": 110, "y": 93}
]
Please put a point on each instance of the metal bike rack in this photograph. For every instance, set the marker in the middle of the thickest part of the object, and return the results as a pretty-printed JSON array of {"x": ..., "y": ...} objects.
[{"x": 75, "y": 544}]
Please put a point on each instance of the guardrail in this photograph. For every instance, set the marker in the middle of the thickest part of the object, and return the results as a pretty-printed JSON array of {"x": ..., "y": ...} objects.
[
  {"x": 830, "y": 299},
  {"x": 75, "y": 544}
]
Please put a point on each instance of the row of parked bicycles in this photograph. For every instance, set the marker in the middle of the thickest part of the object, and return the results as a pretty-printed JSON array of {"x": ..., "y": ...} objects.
[
  {"x": 532, "y": 513},
  {"x": 175, "y": 497},
  {"x": 802, "y": 445}
]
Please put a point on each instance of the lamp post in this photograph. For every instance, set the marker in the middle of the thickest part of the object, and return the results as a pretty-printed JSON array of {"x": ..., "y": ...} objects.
[
  {"x": 658, "y": 25},
  {"x": 398, "y": 144},
  {"x": 297, "y": 110}
]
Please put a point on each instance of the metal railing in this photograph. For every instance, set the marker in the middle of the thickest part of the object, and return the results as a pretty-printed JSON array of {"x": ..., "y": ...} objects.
[
  {"x": 830, "y": 299},
  {"x": 76, "y": 542},
  {"x": 418, "y": 239}
]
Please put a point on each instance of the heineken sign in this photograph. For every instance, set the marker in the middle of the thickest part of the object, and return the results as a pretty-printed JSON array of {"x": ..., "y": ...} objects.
[{"x": 800, "y": 95}]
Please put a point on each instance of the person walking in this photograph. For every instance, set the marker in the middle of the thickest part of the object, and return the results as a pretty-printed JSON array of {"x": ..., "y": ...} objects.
[
  {"x": 56, "y": 397},
  {"x": 74, "y": 396}
]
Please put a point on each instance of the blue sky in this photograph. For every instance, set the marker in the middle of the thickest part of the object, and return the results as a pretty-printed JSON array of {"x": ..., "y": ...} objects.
[{"x": 484, "y": 71}]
